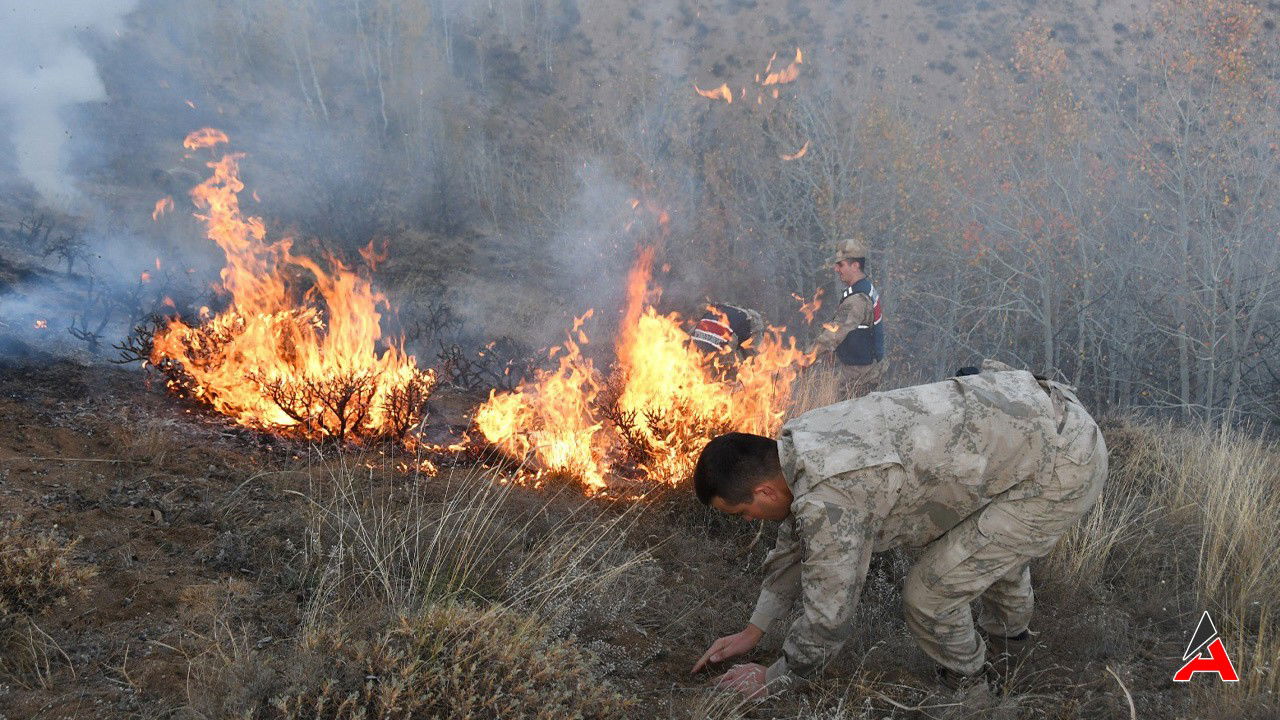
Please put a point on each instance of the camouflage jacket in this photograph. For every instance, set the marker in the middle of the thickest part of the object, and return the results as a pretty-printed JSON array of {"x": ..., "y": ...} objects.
[
  {"x": 855, "y": 310},
  {"x": 896, "y": 468}
]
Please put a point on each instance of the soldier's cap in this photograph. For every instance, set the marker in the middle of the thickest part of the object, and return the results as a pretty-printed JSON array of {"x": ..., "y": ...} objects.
[{"x": 848, "y": 249}]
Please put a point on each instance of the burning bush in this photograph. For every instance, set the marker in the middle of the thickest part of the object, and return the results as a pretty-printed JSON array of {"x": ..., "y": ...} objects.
[
  {"x": 652, "y": 413},
  {"x": 297, "y": 349}
]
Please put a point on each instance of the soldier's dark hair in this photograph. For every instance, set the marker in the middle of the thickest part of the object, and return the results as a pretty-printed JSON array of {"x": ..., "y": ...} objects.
[
  {"x": 732, "y": 465},
  {"x": 862, "y": 263}
]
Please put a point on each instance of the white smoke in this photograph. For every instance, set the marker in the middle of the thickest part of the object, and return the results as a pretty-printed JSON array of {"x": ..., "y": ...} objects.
[{"x": 44, "y": 69}]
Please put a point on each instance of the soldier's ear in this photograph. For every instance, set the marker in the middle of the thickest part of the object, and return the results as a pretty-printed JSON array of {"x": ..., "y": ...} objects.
[{"x": 766, "y": 490}]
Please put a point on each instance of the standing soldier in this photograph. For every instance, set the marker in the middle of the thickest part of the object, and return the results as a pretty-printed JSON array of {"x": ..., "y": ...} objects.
[
  {"x": 985, "y": 472},
  {"x": 854, "y": 343}
]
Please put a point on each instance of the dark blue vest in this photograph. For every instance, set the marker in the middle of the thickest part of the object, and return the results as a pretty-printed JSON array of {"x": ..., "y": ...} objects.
[{"x": 865, "y": 343}]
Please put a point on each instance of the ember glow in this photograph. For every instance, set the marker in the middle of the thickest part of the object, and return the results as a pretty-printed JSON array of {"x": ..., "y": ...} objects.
[
  {"x": 299, "y": 349},
  {"x": 42, "y": 324},
  {"x": 648, "y": 417}
]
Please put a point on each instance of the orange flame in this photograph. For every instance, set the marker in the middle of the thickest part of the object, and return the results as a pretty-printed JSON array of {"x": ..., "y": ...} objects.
[
  {"x": 303, "y": 361},
  {"x": 42, "y": 324},
  {"x": 373, "y": 257},
  {"x": 797, "y": 154},
  {"x": 721, "y": 93},
  {"x": 662, "y": 397},
  {"x": 809, "y": 308},
  {"x": 163, "y": 205},
  {"x": 785, "y": 75}
]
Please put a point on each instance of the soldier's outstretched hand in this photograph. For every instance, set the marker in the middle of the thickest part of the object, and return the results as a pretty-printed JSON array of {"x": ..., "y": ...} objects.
[
  {"x": 730, "y": 646},
  {"x": 747, "y": 679}
]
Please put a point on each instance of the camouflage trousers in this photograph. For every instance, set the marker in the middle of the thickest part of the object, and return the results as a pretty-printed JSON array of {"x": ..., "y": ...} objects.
[
  {"x": 858, "y": 380},
  {"x": 987, "y": 556}
]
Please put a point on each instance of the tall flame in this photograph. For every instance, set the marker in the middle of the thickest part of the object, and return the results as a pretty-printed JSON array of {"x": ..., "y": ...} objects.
[
  {"x": 652, "y": 413},
  {"x": 296, "y": 350}
]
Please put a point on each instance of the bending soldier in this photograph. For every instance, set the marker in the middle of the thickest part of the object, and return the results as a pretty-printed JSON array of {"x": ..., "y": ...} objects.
[
  {"x": 854, "y": 342},
  {"x": 728, "y": 326},
  {"x": 986, "y": 472}
]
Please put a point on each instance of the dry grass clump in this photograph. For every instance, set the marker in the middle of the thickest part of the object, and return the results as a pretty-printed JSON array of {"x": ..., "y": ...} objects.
[
  {"x": 817, "y": 386},
  {"x": 449, "y": 661},
  {"x": 433, "y": 598},
  {"x": 36, "y": 573},
  {"x": 474, "y": 538},
  {"x": 1201, "y": 507}
]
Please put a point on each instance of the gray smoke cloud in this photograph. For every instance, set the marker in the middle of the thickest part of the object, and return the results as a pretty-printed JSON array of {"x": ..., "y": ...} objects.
[{"x": 44, "y": 69}]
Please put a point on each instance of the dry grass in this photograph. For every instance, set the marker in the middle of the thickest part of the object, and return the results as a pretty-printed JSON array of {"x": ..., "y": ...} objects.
[
  {"x": 818, "y": 386},
  {"x": 1203, "y": 504},
  {"x": 473, "y": 539},
  {"x": 446, "y": 661},
  {"x": 37, "y": 574},
  {"x": 429, "y": 597}
]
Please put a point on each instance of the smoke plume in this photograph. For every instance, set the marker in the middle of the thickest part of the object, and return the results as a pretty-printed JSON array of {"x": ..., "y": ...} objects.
[{"x": 44, "y": 69}]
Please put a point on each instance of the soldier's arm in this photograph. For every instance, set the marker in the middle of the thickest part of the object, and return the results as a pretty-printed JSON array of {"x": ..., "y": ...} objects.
[
  {"x": 781, "y": 578},
  {"x": 838, "y": 530},
  {"x": 853, "y": 312}
]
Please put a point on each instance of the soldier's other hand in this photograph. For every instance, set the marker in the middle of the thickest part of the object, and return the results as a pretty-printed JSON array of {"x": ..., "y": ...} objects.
[
  {"x": 747, "y": 679},
  {"x": 730, "y": 646}
]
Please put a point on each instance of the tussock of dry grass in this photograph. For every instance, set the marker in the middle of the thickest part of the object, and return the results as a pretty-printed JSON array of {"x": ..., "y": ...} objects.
[
  {"x": 37, "y": 573},
  {"x": 818, "y": 386},
  {"x": 1204, "y": 506},
  {"x": 447, "y": 661},
  {"x": 428, "y": 601},
  {"x": 474, "y": 540}
]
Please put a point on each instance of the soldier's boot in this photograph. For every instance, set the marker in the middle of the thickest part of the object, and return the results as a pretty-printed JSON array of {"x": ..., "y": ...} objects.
[
  {"x": 986, "y": 680},
  {"x": 1013, "y": 647}
]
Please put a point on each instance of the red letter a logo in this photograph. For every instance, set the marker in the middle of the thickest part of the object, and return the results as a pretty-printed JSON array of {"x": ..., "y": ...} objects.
[{"x": 1206, "y": 654}]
